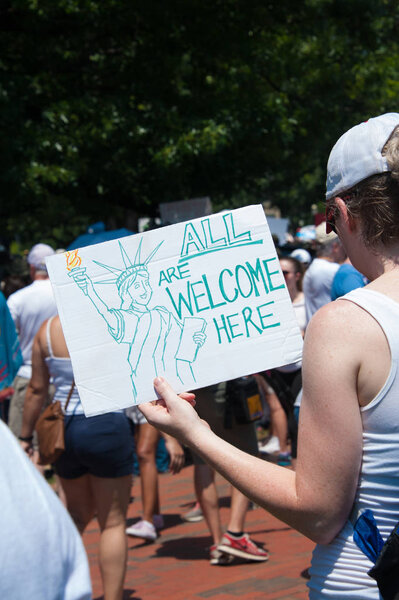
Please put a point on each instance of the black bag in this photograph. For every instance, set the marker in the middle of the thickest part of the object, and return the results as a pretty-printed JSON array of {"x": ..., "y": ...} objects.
[
  {"x": 243, "y": 401},
  {"x": 386, "y": 568}
]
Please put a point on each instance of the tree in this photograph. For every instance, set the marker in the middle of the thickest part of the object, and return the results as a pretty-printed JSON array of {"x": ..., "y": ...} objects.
[{"x": 109, "y": 106}]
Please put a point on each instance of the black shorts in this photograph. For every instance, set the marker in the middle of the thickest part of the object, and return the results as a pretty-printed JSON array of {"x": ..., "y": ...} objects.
[
  {"x": 102, "y": 446},
  {"x": 211, "y": 407}
]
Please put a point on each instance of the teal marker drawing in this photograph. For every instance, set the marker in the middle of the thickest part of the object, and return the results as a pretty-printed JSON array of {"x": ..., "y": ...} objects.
[{"x": 158, "y": 342}]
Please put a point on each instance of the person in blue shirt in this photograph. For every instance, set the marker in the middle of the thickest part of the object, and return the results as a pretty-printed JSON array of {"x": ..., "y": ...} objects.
[
  {"x": 10, "y": 351},
  {"x": 346, "y": 279}
]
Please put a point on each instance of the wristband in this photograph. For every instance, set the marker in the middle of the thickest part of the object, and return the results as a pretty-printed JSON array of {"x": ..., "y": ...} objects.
[{"x": 28, "y": 438}]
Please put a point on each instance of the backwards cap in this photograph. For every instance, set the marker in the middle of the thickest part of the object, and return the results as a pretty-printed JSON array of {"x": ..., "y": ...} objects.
[
  {"x": 302, "y": 255},
  {"x": 37, "y": 256},
  {"x": 357, "y": 154}
]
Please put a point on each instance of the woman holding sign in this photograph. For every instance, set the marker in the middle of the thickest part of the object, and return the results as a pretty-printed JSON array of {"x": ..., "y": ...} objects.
[{"x": 348, "y": 458}]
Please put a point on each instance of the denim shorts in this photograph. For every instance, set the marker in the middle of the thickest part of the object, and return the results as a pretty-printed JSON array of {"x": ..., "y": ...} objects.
[{"x": 102, "y": 446}]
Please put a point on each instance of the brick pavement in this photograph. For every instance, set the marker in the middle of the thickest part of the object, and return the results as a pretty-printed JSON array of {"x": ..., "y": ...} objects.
[{"x": 176, "y": 566}]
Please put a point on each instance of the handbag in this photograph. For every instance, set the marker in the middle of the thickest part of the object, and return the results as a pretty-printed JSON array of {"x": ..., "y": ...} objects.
[{"x": 50, "y": 431}]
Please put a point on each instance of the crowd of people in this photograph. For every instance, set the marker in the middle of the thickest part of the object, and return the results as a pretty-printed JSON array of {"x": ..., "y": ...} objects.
[{"x": 332, "y": 418}]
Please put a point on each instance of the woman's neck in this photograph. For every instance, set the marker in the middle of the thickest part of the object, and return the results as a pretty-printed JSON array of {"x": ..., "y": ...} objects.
[{"x": 296, "y": 296}]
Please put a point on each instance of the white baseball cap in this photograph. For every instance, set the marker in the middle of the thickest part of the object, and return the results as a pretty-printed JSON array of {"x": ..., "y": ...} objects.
[
  {"x": 37, "y": 256},
  {"x": 357, "y": 154}
]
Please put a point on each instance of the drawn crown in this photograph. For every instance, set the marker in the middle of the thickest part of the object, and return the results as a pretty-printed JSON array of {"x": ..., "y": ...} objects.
[{"x": 130, "y": 268}]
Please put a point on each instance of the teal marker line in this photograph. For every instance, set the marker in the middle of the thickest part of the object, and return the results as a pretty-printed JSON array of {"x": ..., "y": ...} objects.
[{"x": 185, "y": 258}]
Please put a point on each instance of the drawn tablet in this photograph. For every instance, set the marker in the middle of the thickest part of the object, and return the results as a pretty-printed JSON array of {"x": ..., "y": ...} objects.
[{"x": 188, "y": 348}]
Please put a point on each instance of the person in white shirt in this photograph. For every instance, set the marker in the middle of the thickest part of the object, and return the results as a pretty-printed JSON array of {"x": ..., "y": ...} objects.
[
  {"x": 41, "y": 553},
  {"x": 318, "y": 278},
  {"x": 29, "y": 307}
]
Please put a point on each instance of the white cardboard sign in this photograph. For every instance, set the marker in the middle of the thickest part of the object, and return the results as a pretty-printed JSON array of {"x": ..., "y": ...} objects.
[{"x": 197, "y": 302}]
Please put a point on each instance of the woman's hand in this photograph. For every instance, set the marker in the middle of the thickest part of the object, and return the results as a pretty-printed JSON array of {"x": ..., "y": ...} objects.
[
  {"x": 27, "y": 447},
  {"x": 172, "y": 414}
]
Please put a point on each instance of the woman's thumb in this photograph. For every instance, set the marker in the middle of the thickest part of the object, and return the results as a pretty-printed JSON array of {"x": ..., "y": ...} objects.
[{"x": 163, "y": 388}]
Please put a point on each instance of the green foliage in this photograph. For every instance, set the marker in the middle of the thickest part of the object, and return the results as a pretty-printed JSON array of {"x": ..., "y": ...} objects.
[{"x": 108, "y": 106}]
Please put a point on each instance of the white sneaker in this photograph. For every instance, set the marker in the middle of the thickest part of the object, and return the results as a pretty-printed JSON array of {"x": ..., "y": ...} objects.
[
  {"x": 271, "y": 446},
  {"x": 143, "y": 529}
]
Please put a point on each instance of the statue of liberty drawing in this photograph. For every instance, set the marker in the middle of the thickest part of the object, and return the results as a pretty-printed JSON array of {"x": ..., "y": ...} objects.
[{"x": 158, "y": 342}]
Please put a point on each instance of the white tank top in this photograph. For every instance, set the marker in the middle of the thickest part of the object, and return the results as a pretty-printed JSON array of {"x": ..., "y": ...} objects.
[
  {"x": 339, "y": 569},
  {"x": 60, "y": 370}
]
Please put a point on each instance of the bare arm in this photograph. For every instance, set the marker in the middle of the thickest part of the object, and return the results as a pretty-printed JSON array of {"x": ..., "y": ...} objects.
[
  {"x": 317, "y": 498},
  {"x": 176, "y": 453},
  {"x": 37, "y": 389}
]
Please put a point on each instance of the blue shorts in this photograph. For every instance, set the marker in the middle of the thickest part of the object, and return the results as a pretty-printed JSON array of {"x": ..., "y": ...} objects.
[{"x": 102, "y": 446}]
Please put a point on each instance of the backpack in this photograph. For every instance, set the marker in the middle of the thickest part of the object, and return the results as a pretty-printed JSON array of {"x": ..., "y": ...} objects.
[{"x": 243, "y": 401}]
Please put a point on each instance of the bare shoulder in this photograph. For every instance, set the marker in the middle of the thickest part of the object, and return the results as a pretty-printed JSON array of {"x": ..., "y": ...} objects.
[
  {"x": 336, "y": 338},
  {"x": 41, "y": 336},
  {"x": 336, "y": 319}
]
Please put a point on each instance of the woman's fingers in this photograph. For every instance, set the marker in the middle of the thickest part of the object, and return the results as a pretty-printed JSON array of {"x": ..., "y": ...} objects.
[{"x": 188, "y": 397}]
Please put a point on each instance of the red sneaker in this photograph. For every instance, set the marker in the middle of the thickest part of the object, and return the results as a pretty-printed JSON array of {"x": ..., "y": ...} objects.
[
  {"x": 243, "y": 547},
  {"x": 219, "y": 558}
]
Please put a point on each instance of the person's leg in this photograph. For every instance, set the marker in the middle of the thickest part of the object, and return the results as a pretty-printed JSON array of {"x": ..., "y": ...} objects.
[
  {"x": 206, "y": 492},
  {"x": 235, "y": 542},
  {"x": 79, "y": 500},
  {"x": 146, "y": 446},
  {"x": 279, "y": 421},
  {"x": 238, "y": 510},
  {"x": 111, "y": 497},
  {"x": 59, "y": 490},
  {"x": 207, "y": 496},
  {"x": 16, "y": 410}
]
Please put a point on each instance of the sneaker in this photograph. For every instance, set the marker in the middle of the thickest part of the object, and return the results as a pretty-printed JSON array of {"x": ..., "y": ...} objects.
[
  {"x": 243, "y": 547},
  {"x": 219, "y": 558},
  {"x": 158, "y": 522},
  {"x": 143, "y": 529},
  {"x": 271, "y": 446},
  {"x": 194, "y": 515}
]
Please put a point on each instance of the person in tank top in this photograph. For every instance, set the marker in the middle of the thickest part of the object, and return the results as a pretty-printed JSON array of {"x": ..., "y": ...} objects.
[
  {"x": 348, "y": 446},
  {"x": 95, "y": 470}
]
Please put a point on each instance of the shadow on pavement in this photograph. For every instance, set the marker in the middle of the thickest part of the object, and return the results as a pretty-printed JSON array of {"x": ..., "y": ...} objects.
[
  {"x": 191, "y": 548},
  {"x": 127, "y": 595}
]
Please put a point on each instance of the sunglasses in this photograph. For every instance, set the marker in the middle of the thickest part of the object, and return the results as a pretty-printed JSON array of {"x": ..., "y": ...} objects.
[
  {"x": 331, "y": 211},
  {"x": 330, "y": 218}
]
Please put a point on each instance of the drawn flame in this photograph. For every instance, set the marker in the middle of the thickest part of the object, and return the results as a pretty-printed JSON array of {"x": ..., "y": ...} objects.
[{"x": 73, "y": 260}]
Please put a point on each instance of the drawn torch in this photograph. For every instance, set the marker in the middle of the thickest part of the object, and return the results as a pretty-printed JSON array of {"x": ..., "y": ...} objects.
[{"x": 75, "y": 270}]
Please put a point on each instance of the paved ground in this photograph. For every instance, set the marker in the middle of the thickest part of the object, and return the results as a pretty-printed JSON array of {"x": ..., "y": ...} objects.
[{"x": 176, "y": 566}]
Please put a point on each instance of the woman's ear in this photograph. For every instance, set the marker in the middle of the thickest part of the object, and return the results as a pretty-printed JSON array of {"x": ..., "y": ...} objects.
[{"x": 345, "y": 216}]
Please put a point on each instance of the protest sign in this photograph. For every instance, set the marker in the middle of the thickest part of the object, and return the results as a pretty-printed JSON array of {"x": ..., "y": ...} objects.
[{"x": 197, "y": 302}]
